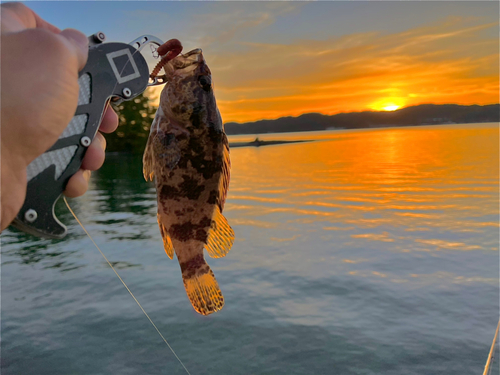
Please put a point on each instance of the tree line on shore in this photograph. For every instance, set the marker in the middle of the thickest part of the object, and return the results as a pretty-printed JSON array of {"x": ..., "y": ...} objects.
[{"x": 135, "y": 118}]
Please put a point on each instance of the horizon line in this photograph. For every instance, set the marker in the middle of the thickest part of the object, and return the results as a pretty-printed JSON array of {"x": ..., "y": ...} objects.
[{"x": 372, "y": 111}]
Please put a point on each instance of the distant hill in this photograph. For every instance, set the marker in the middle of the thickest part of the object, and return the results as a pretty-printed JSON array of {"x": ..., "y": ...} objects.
[{"x": 425, "y": 114}]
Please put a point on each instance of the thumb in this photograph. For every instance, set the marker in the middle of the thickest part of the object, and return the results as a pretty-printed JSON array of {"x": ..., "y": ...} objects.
[{"x": 79, "y": 43}]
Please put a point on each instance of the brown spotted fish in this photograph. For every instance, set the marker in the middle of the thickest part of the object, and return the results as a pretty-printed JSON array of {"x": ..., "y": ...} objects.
[{"x": 187, "y": 154}]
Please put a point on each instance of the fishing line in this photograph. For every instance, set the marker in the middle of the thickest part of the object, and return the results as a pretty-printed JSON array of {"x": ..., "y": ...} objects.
[
  {"x": 114, "y": 270},
  {"x": 125, "y": 285}
]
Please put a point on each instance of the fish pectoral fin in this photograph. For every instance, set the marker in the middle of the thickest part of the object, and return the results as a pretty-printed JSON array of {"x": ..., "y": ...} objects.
[
  {"x": 167, "y": 242},
  {"x": 220, "y": 236},
  {"x": 171, "y": 155},
  {"x": 148, "y": 161},
  {"x": 165, "y": 149},
  {"x": 203, "y": 290}
]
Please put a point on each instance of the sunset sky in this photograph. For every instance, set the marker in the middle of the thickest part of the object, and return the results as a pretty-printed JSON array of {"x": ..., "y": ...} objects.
[{"x": 274, "y": 59}]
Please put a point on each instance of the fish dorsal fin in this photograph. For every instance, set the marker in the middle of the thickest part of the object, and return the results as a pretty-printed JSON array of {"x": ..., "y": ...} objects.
[
  {"x": 167, "y": 242},
  {"x": 148, "y": 160},
  {"x": 161, "y": 145},
  {"x": 220, "y": 236},
  {"x": 226, "y": 168}
]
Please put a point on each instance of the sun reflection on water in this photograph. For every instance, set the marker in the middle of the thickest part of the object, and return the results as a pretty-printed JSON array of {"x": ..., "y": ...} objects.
[{"x": 403, "y": 190}]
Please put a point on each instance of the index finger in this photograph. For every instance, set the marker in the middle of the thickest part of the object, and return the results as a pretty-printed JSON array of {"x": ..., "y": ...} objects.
[{"x": 18, "y": 17}]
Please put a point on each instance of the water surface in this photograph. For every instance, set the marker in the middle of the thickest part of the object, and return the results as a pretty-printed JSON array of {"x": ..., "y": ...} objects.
[{"x": 362, "y": 252}]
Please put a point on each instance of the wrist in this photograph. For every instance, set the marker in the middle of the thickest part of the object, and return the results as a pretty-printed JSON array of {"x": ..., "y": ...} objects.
[{"x": 13, "y": 182}]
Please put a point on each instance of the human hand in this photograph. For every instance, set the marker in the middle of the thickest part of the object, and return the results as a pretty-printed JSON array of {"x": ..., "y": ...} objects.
[{"x": 39, "y": 91}]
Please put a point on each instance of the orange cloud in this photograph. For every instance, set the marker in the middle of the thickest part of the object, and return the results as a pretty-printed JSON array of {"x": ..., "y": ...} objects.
[{"x": 454, "y": 61}]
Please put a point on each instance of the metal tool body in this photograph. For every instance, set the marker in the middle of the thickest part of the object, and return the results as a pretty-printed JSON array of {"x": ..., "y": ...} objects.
[{"x": 114, "y": 71}]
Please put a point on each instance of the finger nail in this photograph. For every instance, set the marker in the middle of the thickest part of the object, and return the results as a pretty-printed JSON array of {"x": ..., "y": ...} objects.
[{"x": 102, "y": 142}]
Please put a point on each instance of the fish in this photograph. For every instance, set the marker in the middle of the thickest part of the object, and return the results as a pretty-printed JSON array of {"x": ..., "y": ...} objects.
[{"x": 187, "y": 155}]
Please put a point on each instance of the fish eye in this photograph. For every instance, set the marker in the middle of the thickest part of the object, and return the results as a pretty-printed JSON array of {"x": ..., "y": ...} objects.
[{"x": 205, "y": 82}]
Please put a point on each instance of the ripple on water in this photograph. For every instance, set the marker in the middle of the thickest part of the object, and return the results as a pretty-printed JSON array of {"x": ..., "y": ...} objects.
[{"x": 367, "y": 252}]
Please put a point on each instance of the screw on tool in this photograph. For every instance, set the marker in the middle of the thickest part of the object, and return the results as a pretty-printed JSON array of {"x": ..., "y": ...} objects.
[
  {"x": 96, "y": 38},
  {"x": 126, "y": 92},
  {"x": 30, "y": 215},
  {"x": 85, "y": 141}
]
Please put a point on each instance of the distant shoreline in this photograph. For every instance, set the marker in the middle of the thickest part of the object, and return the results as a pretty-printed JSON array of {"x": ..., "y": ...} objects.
[
  {"x": 421, "y": 115},
  {"x": 257, "y": 143}
]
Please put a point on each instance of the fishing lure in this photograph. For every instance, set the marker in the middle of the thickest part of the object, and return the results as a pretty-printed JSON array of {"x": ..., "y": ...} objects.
[{"x": 168, "y": 50}]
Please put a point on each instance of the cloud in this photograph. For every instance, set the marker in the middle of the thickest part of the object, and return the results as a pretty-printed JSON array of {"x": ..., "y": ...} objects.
[{"x": 218, "y": 27}]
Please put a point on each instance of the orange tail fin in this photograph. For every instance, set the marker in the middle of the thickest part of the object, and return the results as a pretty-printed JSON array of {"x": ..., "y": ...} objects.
[{"x": 201, "y": 287}]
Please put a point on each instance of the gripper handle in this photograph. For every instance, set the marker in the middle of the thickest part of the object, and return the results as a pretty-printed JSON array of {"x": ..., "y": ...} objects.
[{"x": 113, "y": 71}]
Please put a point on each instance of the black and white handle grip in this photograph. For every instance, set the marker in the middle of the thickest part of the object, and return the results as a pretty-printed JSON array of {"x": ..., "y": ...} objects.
[{"x": 113, "y": 71}]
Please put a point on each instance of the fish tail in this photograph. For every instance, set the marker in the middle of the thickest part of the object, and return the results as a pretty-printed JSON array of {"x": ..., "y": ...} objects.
[{"x": 201, "y": 286}]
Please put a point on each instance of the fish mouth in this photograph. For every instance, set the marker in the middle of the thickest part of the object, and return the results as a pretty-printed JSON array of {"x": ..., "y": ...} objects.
[
  {"x": 183, "y": 64},
  {"x": 196, "y": 51}
]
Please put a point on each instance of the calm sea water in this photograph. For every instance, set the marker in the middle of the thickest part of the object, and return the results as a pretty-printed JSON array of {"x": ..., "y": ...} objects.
[{"x": 362, "y": 252}]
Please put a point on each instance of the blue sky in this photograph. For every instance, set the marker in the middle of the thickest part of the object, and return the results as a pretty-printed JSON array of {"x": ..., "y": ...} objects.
[
  {"x": 125, "y": 20},
  {"x": 271, "y": 59}
]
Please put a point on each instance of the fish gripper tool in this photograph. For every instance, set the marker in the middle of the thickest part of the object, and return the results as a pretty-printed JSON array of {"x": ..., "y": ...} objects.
[{"x": 114, "y": 72}]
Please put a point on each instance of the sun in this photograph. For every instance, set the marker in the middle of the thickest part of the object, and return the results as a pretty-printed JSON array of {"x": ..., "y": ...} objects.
[
  {"x": 391, "y": 107},
  {"x": 388, "y": 104}
]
